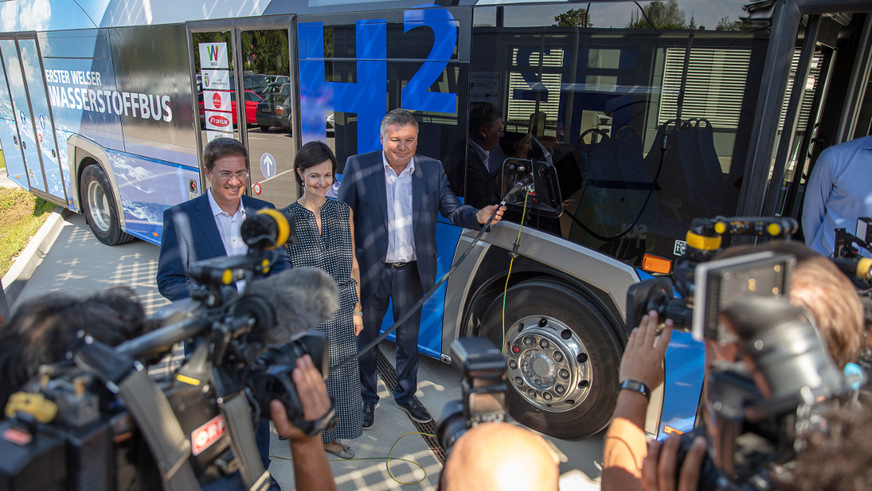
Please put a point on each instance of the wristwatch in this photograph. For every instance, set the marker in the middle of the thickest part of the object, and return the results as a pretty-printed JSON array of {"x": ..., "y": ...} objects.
[{"x": 635, "y": 386}]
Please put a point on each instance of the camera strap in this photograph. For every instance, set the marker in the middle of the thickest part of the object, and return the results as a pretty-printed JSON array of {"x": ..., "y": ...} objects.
[
  {"x": 237, "y": 417},
  {"x": 150, "y": 410},
  {"x": 160, "y": 428}
]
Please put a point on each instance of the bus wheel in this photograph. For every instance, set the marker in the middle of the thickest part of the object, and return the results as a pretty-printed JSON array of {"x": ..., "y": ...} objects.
[
  {"x": 562, "y": 358},
  {"x": 99, "y": 207}
]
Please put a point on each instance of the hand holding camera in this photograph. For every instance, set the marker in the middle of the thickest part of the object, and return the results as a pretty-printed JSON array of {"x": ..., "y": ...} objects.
[{"x": 313, "y": 398}]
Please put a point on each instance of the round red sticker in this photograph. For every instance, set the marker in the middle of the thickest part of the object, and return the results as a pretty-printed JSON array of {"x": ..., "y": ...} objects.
[
  {"x": 256, "y": 188},
  {"x": 216, "y": 100}
]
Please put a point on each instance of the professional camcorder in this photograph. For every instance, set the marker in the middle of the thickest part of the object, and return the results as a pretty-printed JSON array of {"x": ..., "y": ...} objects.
[
  {"x": 770, "y": 372},
  {"x": 483, "y": 386},
  {"x": 98, "y": 421}
]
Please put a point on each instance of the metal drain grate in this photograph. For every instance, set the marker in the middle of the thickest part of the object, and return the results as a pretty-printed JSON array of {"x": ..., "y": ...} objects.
[{"x": 389, "y": 375}]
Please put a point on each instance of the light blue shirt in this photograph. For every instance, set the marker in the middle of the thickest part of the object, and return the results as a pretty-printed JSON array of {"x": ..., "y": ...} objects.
[
  {"x": 839, "y": 191},
  {"x": 401, "y": 232}
]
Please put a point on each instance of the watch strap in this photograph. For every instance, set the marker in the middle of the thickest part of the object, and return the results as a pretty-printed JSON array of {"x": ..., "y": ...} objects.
[{"x": 635, "y": 386}]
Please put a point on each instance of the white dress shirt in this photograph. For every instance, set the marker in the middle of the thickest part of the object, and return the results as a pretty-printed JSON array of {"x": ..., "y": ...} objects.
[
  {"x": 401, "y": 237},
  {"x": 229, "y": 227}
]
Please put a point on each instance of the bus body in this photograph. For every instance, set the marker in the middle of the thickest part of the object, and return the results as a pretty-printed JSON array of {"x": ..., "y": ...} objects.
[{"x": 649, "y": 123}]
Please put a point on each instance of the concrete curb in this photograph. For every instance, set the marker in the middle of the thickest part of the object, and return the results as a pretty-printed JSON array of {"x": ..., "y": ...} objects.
[{"x": 23, "y": 267}]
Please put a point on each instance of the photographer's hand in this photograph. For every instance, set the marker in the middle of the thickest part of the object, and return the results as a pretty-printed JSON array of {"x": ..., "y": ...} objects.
[
  {"x": 311, "y": 470},
  {"x": 659, "y": 468},
  {"x": 643, "y": 357}
]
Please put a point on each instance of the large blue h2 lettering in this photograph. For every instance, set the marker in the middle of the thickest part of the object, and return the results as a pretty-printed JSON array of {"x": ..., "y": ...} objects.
[{"x": 367, "y": 97}]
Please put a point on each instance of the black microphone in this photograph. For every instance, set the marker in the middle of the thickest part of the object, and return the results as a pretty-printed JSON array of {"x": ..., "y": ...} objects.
[
  {"x": 855, "y": 267},
  {"x": 268, "y": 228},
  {"x": 524, "y": 184},
  {"x": 288, "y": 303}
]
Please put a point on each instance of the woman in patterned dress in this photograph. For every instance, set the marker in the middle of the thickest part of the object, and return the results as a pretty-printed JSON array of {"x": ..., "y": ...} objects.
[{"x": 325, "y": 239}]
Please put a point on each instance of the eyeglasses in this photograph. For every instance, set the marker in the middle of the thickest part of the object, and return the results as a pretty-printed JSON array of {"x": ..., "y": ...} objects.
[{"x": 225, "y": 175}]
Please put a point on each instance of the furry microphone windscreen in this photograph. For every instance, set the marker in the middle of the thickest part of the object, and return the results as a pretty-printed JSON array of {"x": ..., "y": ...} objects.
[{"x": 301, "y": 298}]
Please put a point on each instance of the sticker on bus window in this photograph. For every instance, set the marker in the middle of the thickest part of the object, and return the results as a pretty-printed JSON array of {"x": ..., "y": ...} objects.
[
  {"x": 213, "y": 55},
  {"x": 216, "y": 79}
]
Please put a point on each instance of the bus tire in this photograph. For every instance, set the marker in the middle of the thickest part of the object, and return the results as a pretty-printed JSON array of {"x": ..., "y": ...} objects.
[
  {"x": 562, "y": 358},
  {"x": 99, "y": 207}
]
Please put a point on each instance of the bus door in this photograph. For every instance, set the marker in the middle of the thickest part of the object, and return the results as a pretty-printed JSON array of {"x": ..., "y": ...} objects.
[
  {"x": 35, "y": 133},
  {"x": 242, "y": 78}
]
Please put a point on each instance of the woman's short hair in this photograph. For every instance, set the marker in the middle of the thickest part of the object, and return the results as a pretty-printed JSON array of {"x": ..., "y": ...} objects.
[{"x": 312, "y": 154}]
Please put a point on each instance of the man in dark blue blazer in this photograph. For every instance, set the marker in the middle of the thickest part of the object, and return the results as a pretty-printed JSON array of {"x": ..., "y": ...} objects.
[
  {"x": 395, "y": 197},
  {"x": 225, "y": 162},
  {"x": 215, "y": 219}
]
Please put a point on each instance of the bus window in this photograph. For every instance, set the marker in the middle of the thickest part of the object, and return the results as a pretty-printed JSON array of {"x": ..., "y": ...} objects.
[
  {"x": 599, "y": 103},
  {"x": 270, "y": 135}
]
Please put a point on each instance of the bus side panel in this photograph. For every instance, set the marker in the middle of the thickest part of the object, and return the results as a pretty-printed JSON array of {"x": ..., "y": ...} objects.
[
  {"x": 683, "y": 382},
  {"x": 81, "y": 91},
  {"x": 9, "y": 139},
  {"x": 81, "y": 86},
  {"x": 152, "y": 74},
  {"x": 147, "y": 187}
]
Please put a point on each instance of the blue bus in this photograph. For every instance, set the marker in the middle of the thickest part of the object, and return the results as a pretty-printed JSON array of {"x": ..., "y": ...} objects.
[{"x": 651, "y": 114}]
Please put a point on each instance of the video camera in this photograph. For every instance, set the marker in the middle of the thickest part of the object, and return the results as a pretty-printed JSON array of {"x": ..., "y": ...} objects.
[
  {"x": 705, "y": 289},
  {"x": 98, "y": 421},
  {"x": 484, "y": 389},
  {"x": 775, "y": 369}
]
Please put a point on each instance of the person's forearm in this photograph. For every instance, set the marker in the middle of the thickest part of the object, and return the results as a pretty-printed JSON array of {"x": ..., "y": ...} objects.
[
  {"x": 311, "y": 469},
  {"x": 625, "y": 444}
]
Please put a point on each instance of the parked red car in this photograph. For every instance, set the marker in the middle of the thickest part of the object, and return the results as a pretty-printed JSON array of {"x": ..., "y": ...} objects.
[{"x": 251, "y": 101}]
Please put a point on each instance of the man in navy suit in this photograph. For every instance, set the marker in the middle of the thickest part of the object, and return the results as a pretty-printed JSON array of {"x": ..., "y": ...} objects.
[
  {"x": 215, "y": 218},
  {"x": 395, "y": 197}
]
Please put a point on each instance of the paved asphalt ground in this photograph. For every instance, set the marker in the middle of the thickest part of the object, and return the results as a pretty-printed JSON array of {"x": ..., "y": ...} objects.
[{"x": 66, "y": 257}]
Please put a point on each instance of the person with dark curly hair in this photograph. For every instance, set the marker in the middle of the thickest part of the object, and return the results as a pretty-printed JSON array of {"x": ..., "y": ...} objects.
[{"x": 42, "y": 330}]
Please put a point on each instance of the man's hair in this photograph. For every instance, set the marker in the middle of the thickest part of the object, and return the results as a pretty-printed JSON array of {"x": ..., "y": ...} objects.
[
  {"x": 482, "y": 115},
  {"x": 312, "y": 154},
  {"x": 399, "y": 117},
  {"x": 220, "y": 148},
  {"x": 44, "y": 329},
  {"x": 825, "y": 293},
  {"x": 837, "y": 457}
]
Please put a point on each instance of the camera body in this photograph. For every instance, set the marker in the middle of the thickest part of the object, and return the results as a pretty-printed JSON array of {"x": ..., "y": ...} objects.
[
  {"x": 98, "y": 421},
  {"x": 768, "y": 365},
  {"x": 483, "y": 386}
]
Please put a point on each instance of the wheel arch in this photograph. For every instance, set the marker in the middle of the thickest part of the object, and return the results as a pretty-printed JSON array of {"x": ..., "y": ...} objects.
[
  {"x": 482, "y": 277},
  {"x": 87, "y": 152},
  {"x": 492, "y": 284}
]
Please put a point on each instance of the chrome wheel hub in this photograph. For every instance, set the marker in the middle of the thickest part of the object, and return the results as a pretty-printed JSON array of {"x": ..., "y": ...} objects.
[{"x": 547, "y": 363}]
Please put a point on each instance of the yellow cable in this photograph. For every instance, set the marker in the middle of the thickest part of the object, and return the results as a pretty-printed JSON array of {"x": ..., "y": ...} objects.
[
  {"x": 386, "y": 459},
  {"x": 509, "y": 274}
]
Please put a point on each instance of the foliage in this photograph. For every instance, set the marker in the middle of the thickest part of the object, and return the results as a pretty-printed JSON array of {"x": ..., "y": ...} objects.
[
  {"x": 21, "y": 215},
  {"x": 725, "y": 24},
  {"x": 663, "y": 15},
  {"x": 574, "y": 18},
  {"x": 266, "y": 51}
]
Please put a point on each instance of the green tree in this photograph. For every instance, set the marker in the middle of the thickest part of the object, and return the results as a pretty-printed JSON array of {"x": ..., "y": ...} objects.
[
  {"x": 663, "y": 15},
  {"x": 725, "y": 24},
  {"x": 573, "y": 18}
]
